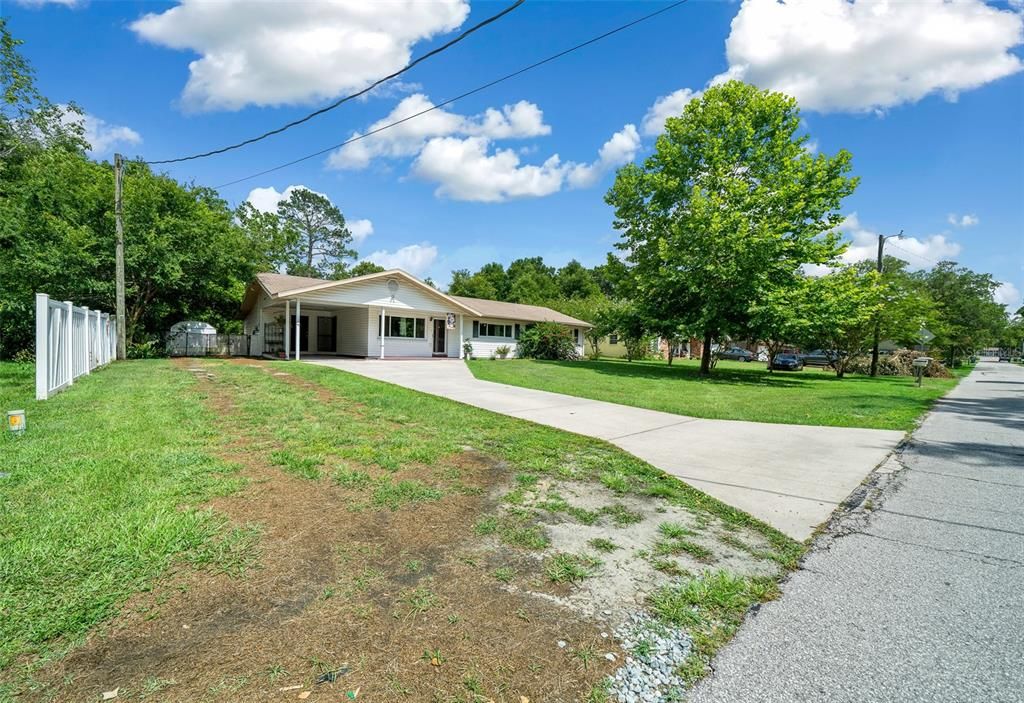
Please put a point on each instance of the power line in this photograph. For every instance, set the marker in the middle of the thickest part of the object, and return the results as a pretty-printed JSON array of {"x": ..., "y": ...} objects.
[
  {"x": 449, "y": 101},
  {"x": 347, "y": 98},
  {"x": 910, "y": 253}
]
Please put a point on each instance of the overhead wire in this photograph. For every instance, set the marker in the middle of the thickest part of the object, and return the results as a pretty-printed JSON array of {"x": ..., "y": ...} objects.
[
  {"x": 347, "y": 98},
  {"x": 466, "y": 94}
]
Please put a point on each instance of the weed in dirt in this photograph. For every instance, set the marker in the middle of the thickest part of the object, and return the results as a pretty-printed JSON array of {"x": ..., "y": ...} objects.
[
  {"x": 585, "y": 654},
  {"x": 527, "y": 480},
  {"x": 352, "y": 478},
  {"x": 621, "y": 515},
  {"x": 419, "y": 600},
  {"x": 433, "y": 657},
  {"x": 522, "y": 614},
  {"x": 675, "y": 547},
  {"x": 233, "y": 553},
  {"x": 669, "y": 567},
  {"x": 711, "y": 606},
  {"x": 600, "y": 693},
  {"x": 505, "y": 574},
  {"x": 397, "y": 495},
  {"x": 673, "y": 530},
  {"x": 570, "y": 568},
  {"x": 414, "y": 566},
  {"x": 153, "y": 685},
  {"x": 301, "y": 466},
  {"x": 275, "y": 673},
  {"x": 602, "y": 544},
  {"x": 524, "y": 536},
  {"x": 472, "y": 684},
  {"x": 582, "y": 515},
  {"x": 486, "y": 525}
]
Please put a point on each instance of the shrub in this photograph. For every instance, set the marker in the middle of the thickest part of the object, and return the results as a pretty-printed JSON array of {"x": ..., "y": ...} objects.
[
  {"x": 467, "y": 350},
  {"x": 547, "y": 340},
  {"x": 503, "y": 351}
]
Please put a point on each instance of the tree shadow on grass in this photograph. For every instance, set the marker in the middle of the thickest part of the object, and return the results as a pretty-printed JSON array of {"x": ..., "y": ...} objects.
[{"x": 756, "y": 375}]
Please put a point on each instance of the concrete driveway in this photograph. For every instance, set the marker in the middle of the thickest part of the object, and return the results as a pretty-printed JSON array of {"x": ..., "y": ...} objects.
[{"x": 790, "y": 476}]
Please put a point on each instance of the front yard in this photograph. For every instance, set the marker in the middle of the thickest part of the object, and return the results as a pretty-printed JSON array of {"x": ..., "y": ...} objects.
[
  {"x": 211, "y": 530},
  {"x": 735, "y": 390}
]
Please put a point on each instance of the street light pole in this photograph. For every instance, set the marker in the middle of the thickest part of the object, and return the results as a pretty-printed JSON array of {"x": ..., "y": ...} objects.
[{"x": 878, "y": 322}]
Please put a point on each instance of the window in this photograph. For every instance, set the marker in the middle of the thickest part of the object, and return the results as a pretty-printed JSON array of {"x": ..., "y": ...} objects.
[
  {"x": 613, "y": 339},
  {"x": 576, "y": 335},
  {"x": 405, "y": 327},
  {"x": 489, "y": 329}
]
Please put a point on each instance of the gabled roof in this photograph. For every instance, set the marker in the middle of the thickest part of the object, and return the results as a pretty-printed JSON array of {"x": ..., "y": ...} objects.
[
  {"x": 518, "y": 311},
  {"x": 279, "y": 285}
]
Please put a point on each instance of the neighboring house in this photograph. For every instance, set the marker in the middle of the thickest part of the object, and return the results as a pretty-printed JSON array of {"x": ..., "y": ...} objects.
[{"x": 347, "y": 317}]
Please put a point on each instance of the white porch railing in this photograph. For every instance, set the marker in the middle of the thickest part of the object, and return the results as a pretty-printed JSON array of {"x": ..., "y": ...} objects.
[{"x": 70, "y": 342}]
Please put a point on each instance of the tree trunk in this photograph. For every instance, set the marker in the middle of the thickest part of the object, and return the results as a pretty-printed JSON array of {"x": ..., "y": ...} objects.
[
  {"x": 670, "y": 350},
  {"x": 705, "y": 355}
]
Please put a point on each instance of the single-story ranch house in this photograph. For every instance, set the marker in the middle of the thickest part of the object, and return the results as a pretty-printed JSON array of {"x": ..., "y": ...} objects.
[{"x": 390, "y": 314}]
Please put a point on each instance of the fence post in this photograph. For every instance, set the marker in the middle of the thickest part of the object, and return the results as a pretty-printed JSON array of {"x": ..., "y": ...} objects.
[
  {"x": 88, "y": 341},
  {"x": 42, "y": 347},
  {"x": 67, "y": 349}
]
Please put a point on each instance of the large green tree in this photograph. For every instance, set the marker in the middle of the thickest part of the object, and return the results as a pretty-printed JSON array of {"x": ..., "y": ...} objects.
[
  {"x": 317, "y": 240},
  {"x": 727, "y": 210},
  {"x": 968, "y": 317}
]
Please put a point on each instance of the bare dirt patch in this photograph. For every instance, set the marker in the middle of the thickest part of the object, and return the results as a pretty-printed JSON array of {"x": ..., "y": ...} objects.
[
  {"x": 642, "y": 543},
  {"x": 400, "y": 603}
]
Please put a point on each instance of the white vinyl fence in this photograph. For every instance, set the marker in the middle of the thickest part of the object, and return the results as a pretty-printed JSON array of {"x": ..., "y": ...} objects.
[{"x": 70, "y": 342}]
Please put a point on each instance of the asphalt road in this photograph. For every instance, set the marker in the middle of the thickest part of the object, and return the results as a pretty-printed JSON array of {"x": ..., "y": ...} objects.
[{"x": 919, "y": 598}]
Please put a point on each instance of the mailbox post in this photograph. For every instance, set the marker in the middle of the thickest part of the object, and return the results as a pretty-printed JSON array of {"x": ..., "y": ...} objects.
[{"x": 920, "y": 364}]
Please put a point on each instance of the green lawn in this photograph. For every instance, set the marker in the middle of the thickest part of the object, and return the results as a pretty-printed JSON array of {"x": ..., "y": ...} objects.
[
  {"x": 106, "y": 492},
  {"x": 735, "y": 390},
  {"x": 102, "y": 492}
]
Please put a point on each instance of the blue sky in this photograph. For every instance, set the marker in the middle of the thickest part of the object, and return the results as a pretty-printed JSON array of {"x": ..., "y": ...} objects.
[{"x": 929, "y": 98}]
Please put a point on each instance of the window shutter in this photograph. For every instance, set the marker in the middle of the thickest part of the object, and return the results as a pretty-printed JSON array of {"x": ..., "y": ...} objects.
[
  {"x": 476, "y": 328},
  {"x": 517, "y": 330}
]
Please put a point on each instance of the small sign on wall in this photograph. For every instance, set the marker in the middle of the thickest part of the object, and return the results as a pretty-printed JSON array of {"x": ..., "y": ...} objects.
[{"x": 449, "y": 321}]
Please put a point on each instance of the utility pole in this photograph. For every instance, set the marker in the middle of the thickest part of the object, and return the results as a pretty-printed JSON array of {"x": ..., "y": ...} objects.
[
  {"x": 874, "y": 347},
  {"x": 119, "y": 256}
]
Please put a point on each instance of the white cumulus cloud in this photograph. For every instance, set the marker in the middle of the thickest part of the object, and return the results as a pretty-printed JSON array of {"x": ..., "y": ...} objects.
[
  {"x": 837, "y": 55},
  {"x": 617, "y": 151},
  {"x": 285, "y": 53},
  {"x": 414, "y": 258},
  {"x": 360, "y": 229},
  {"x": 101, "y": 135},
  {"x": 666, "y": 106},
  {"x": 962, "y": 220},
  {"x": 1009, "y": 295},
  {"x": 465, "y": 170},
  {"x": 518, "y": 121},
  {"x": 918, "y": 252}
]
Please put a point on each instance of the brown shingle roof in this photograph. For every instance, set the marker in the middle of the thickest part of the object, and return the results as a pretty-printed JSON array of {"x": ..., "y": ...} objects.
[
  {"x": 518, "y": 311},
  {"x": 275, "y": 283}
]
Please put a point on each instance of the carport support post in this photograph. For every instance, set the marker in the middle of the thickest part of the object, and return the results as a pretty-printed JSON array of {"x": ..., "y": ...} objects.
[
  {"x": 462, "y": 341},
  {"x": 287, "y": 329},
  {"x": 298, "y": 328},
  {"x": 382, "y": 331}
]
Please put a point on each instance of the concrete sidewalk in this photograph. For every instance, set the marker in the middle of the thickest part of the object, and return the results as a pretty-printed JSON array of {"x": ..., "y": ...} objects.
[
  {"x": 790, "y": 476},
  {"x": 920, "y": 599}
]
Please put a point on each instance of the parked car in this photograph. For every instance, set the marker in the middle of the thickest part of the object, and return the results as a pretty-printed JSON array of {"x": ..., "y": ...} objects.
[
  {"x": 818, "y": 357},
  {"x": 735, "y": 354},
  {"x": 787, "y": 362}
]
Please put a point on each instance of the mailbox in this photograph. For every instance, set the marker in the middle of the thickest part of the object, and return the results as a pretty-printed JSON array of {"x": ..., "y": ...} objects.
[{"x": 922, "y": 362}]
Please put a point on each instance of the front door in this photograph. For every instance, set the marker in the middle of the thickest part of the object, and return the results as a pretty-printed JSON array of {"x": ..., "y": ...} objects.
[
  {"x": 440, "y": 340},
  {"x": 303, "y": 333},
  {"x": 327, "y": 334}
]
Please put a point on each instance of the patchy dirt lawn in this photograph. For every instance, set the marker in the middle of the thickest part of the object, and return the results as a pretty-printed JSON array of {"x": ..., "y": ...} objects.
[{"x": 404, "y": 550}]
